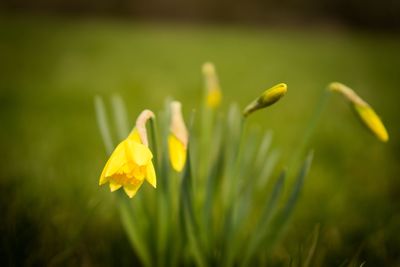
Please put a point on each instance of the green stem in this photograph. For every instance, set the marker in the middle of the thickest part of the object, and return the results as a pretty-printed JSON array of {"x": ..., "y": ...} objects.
[
  {"x": 133, "y": 230},
  {"x": 309, "y": 132}
]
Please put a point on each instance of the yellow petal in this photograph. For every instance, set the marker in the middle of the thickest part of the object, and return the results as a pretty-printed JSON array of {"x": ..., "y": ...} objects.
[
  {"x": 139, "y": 172},
  {"x": 177, "y": 153},
  {"x": 114, "y": 186},
  {"x": 116, "y": 161},
  {"x": 103, "y": 178},
  {"x": 138, "y": 153},
  {"x": 151, "y": 174},
  {"x": 134, "y": 136},
  {"x": 372, "y": 121},
  {"x": 131, "y": 189}
]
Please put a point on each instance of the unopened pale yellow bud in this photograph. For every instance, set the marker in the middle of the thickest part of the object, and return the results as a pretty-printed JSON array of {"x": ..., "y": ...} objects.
[
  {"x": 269, "y": 97},
  {"x": 367, "y": 115},
  {"x": 178, "y": 138},
  {"x": 214, "y": 94}
]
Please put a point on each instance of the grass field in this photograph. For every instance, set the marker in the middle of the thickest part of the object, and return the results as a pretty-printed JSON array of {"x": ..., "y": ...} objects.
[{"x": 53, "y": 211}]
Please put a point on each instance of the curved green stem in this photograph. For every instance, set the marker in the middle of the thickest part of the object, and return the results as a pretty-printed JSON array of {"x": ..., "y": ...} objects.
[{"x": 309, "y": 132}]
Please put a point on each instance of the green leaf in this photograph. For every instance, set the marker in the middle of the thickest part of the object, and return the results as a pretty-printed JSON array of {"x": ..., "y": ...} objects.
[
  {"x": 188, "y": 215},
  {"x": 313, "y": 247},
  {"x": 135, "y": 233},
  {"x": 103, "y": 124},
  {"x": 120, "y": 117},
  {"x": 269, "y": 165},
  {"x": 262, "y": 228},
  {"x": 283, "y": 217},
  {"x": 265, "y": 145},
  {"x": 211, "y": 195},
  {"x": 297, "y": 188}
]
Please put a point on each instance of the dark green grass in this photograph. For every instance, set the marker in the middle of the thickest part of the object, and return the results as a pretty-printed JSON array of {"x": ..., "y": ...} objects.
[{"x": 52, "y": 208}]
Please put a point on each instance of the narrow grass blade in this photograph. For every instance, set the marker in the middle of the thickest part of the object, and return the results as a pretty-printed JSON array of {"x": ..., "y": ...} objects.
[
  {"x": 269, "y": 165},
  {"x": 297, "y": 188},
  {"x": 103, "y": 124},
  {"x": 264, "y": 148},
  {"x": 248, "y": 152},
  {"x": 135, "y": 234},
  {"x": 120, "y": 117},
  {"x": 313, "y": 247},
  {"x": 252, "y": 184},
  {"x": 154, "y": 144},
  {"x": 233, "y": 152},
  {"x": 164, "y": 168},
  {"x": 187, "y": 207},
  {"x": 161, "y": 224},
  {"x": 188, "y": 220},
  {"x": 215, "y": 171},
  {"x": 213, "y": 181},
  {"x": 283, "y": 217},
  {"x": 262, "y": 228}
]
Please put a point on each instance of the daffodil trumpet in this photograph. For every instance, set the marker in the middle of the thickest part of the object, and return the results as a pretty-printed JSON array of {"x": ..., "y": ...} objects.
[
  {"x": 364, "y": 111},
  {"x": 178, "y": 138},
  {"x": 131, "y": 161}
]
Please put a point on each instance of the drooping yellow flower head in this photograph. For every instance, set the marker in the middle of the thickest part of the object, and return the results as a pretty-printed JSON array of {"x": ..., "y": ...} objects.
[
  {"x": 367, "y": 115},
  {"x": 178, "y": 138},
  {"x": 131, "y": 161},
  {"x": 214, "y": 94},
  {"x": 269, "y": 97}
]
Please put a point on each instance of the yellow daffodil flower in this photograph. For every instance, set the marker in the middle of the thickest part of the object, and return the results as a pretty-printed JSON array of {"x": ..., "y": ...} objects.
[
  {"x": 367, "y": 115},
  {"x": 214, "y": 94},
  {"x": 269, "y": 97},
  {"x": 131, "y": 161},
  {"x": 178, "y": 138}
]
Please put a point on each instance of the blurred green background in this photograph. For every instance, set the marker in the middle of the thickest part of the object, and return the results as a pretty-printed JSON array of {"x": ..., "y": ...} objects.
[{"x": 53, "y": 62}]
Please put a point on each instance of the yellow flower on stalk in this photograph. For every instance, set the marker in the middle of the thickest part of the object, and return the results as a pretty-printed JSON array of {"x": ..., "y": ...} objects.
[
  {"x": 269, "y": 97},
  {"x": 214, "y": 94},
  {"x": 178, "y": 138},
  {"x": 131, "y": 161},
  {"x": 367, "y": 115}
]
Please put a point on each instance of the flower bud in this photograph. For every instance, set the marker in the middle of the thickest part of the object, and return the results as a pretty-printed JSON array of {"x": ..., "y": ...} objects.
[
  {"x": 269, "y": 97},
  {"x": 214, "y": 94},
  {"x": 365, "y": 112},
  {"x": 178, "y": 138}
]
